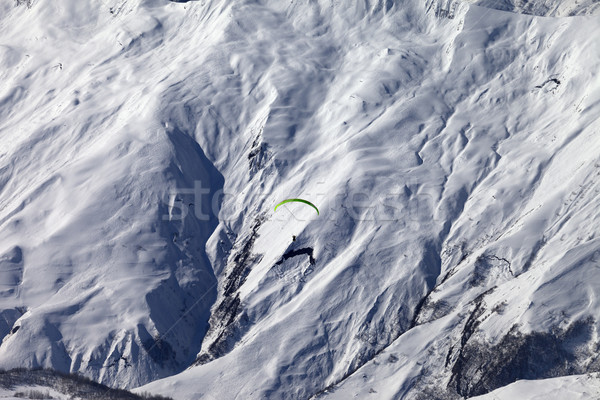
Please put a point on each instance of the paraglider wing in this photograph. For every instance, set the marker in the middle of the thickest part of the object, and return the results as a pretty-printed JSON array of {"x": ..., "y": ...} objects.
[{"x": 299, "y": 201}]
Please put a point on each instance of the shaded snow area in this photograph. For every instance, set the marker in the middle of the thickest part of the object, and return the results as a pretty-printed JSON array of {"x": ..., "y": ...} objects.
[{"x": 451, "y": 147}]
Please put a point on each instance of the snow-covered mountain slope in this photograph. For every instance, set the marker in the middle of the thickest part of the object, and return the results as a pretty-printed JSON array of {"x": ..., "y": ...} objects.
[
  {"x": 452, "y": 151},
  {"x": 576, "y": 387},
  {"x": 98, "y": 272},
  {"x": 545, "y": 8},
  {"x": 482, "y": 119}
]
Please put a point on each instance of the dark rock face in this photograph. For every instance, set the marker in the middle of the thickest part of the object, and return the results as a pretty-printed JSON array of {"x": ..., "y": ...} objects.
[
  {"x": 26, "y": 3},
  {"x": 543, "y": 8},
  {"x": 259, "y": 155},
  {"x": 241, "y": 263},
  {"x": 481, "y": 368},
  {"x": 227, "y": 319},
  {"x": 487, "y": 263},
  {"x": 294, "y": 253}
]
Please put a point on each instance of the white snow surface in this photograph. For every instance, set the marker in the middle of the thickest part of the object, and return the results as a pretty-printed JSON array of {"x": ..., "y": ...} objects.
[
  {"x": 573, "y": 387},
  {"x": 9, "y": 394},
  {"x": 452, "y": 150}
]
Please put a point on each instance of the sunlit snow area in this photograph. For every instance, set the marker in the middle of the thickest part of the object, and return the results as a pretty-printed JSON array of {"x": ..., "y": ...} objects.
[
  {"x": 31, "y": 391},
  {"x": 452, "y": 149}
]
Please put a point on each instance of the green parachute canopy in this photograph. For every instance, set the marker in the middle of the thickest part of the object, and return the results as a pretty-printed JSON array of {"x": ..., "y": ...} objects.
[{"x": 299, "y": 201}]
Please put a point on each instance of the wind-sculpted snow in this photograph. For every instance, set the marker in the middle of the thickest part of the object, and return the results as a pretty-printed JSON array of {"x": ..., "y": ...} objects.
[
  {"x": 100, "y": 270},
  {"x": 451, "y": 151}
]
